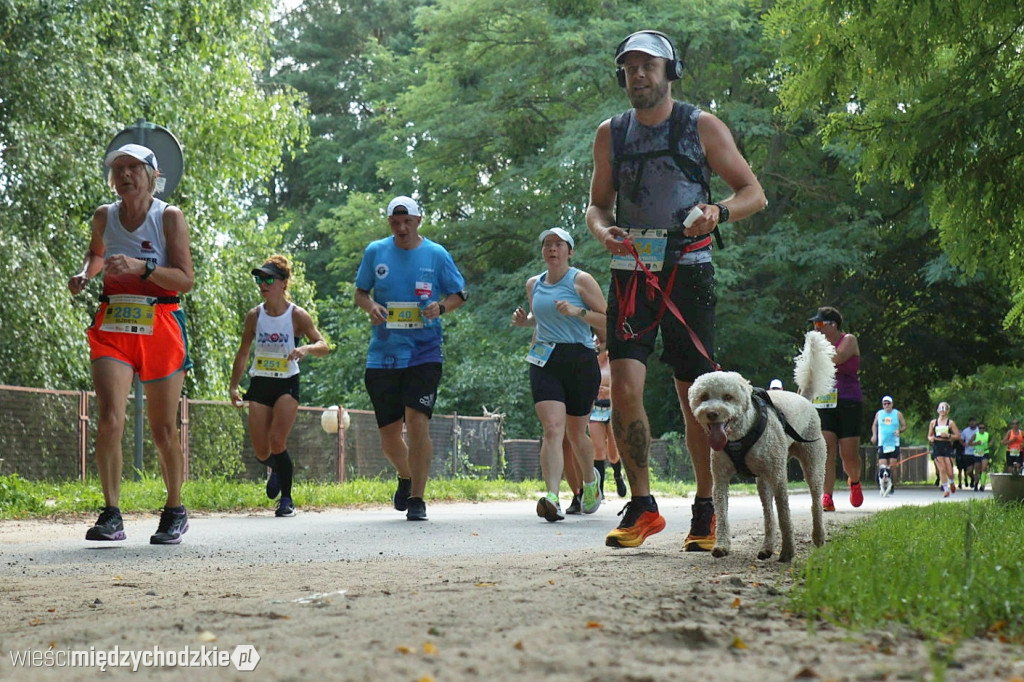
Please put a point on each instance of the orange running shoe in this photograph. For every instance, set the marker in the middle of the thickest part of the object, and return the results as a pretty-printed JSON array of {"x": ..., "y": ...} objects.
[
  {"x": 826, "y": 503},
  {"x": 856, "y": 495},
  {"x": 637, "y": 525},
  {"x": 702, "y": 528}
]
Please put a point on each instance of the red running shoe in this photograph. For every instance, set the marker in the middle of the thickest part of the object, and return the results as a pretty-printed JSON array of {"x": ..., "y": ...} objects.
[{"x": 856, "y": 495}]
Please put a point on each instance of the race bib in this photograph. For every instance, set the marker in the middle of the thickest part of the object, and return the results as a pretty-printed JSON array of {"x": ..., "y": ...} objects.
[
  {"x": 941, "y": 430},
  {"x": 271, "y": 365},
  {"x": 886, "y": 450},
  {"x": 827, "y": 400},
  {"x": 601, "y": 413},
  {"x": 404, "y": 316},
  {"x": 650, "y": 246},
  {"x": 129, "y": 314},
  {"x": 540, "y": 352}
]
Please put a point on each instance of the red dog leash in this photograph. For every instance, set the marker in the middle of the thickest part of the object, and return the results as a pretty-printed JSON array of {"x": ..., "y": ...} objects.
[{"x": 627, "y": 298}]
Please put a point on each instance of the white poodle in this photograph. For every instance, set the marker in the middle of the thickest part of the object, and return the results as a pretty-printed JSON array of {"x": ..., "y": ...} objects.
[{"x": 756, "y": 432}]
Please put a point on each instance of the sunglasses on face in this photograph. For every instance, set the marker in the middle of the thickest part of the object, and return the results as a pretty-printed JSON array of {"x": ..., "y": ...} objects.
[
  {"x": 820, "y": 325},
  {"x": 264, "y": 279}
]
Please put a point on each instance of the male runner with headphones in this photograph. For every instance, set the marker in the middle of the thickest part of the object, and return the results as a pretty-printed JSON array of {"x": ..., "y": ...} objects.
[{"x": 652, "y": 168}]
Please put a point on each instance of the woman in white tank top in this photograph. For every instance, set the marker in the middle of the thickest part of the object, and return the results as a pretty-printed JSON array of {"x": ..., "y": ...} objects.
[{"x": 273, "y": 328}]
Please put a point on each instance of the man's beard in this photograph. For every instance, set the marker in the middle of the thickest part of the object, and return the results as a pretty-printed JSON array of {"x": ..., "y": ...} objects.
[{"x": 649, "y": 98}]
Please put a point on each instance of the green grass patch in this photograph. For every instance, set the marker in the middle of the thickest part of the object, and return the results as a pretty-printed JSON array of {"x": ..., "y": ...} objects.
[
  {"x": 20, "y": 498},
  {"x": 948, "y": 571}
]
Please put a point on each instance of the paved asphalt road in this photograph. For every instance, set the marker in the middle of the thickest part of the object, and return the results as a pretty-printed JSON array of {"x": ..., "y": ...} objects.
[{"x": 457, "y": 529}]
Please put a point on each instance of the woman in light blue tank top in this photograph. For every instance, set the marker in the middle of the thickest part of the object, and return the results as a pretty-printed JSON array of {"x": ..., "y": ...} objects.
[{"x": 567, "y": 307}]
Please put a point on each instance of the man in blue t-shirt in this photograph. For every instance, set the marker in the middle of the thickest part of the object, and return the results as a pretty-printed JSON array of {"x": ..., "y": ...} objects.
[
  {"x": 885, "y": 433},
  {"x": 413, "y": 282}
]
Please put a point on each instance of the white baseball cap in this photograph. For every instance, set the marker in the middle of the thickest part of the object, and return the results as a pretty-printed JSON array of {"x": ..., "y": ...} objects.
[
  {"x": 775, "y": 383},
  {"x": 410, "y": 205},
  {"x": 561, "y": 234},
  {"x": 886, "y": 399},
  {"x": 136, "y": 151},
  {"x": 648, "y": 43}
]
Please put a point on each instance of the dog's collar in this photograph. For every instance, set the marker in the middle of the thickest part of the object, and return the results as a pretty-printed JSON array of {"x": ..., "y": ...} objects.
[{"x": 738, "y": 449}]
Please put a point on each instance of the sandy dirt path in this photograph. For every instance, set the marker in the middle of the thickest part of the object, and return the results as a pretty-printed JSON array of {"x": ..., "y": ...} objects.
[{"x": 651, "y": 613}]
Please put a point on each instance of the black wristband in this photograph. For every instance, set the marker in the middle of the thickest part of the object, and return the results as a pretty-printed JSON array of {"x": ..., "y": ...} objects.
[{"x": 441, "y": 309}]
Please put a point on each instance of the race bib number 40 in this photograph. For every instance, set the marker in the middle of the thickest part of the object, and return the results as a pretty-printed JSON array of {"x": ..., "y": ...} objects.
[
  {"x": 404, "y": 316},
  {"x": 129, "y": 314},
  {"x": 650, "y": 246}
]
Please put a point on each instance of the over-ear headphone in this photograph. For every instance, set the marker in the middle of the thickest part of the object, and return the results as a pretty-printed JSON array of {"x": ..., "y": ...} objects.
[{"x": 673, "y": 67}]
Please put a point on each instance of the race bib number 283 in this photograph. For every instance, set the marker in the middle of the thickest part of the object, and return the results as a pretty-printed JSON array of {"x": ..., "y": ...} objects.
[{"x": 129, "y": 314}]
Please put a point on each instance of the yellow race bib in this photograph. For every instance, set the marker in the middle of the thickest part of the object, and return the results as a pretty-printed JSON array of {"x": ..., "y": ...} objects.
[
  {"x": 270, "y": 365},
  {"x": 827, "y": 400},
  {"x": 129, "y": 314},
  {"x": 404, "y": 316}
]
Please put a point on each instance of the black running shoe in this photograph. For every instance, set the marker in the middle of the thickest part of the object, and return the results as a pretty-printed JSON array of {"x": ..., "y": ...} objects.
[
  {"x": 620, "y": 485},
  {"x": 417, "y": 509},
  {"x": 702, "y": 528},
  {"x": 574, "y": 506},
  {"x": 173, "y": 524},
  {"x": 273, "y": 485},
  {"x": 401, "y": 498},
  {"x": 109, "y": 526},
  {"x": 285, "y": 508}
]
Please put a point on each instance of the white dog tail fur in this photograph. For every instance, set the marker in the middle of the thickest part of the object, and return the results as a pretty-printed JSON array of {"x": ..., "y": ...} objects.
[{"x": 814, "y": 372}]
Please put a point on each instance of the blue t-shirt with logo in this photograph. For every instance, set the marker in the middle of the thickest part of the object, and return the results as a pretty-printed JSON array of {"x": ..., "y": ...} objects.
[{"x": 393, "y": 275}]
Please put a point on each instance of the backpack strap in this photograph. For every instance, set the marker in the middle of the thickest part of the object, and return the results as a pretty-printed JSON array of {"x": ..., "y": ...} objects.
[
  {"x": 681, "y": 113},
  {"x": 619, "y": 126}
]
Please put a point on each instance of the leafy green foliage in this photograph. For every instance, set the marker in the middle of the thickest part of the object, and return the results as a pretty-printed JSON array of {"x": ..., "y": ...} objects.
[
  {"x": 921, "y": 91},
  {"x": 71, "y": 76}
]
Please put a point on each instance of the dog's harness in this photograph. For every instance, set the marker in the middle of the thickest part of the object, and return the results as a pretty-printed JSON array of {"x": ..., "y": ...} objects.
[{"x": 738, "y": 449}]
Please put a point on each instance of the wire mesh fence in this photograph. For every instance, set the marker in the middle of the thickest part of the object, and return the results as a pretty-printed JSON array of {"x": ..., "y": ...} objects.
[{"x": 50, "y": 434}]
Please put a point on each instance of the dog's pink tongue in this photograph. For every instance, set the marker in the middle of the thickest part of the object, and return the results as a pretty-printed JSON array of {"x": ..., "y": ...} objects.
[{"x": 716, "y": 436}]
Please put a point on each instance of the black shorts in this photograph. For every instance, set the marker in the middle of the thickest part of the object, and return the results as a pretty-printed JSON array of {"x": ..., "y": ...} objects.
[
  {"x": 895, "y": 454},
  {"x": 266, "y": 390},
  {"x": 571, "y": 376},
  {"x": 393, "y": 390},
  {"x": 942, "y": 448},
  {"x": 693, "y": 292},
  {"x": 1013, "y": 459},
  {"x": 843, "y": 419}
]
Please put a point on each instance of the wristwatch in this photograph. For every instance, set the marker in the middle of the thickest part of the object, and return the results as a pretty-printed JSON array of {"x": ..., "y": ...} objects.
[
  {"x": 723, "y": 213},
  {"x": 150, "y": 267},
  {"x": 582, "y": 312},
  {"x": 441, "y": 309}
]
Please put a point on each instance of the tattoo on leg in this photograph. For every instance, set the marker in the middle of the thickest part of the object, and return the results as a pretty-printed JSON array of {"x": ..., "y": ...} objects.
[{"x": 635, "y": 439}]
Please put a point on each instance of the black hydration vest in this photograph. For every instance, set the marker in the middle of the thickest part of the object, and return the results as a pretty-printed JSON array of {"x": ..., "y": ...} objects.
[{"x": 691, "y": 170}]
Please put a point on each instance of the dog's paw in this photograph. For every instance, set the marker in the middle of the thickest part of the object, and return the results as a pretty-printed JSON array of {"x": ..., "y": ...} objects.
[
  {"x": 719, "y": 552},
  {"x": 765, "y": 554},
  {"x": 784, "y": 557}
]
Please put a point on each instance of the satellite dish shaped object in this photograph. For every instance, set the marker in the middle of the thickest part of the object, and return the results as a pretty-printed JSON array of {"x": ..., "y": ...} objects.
[{"x": 163, "y": 143}]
